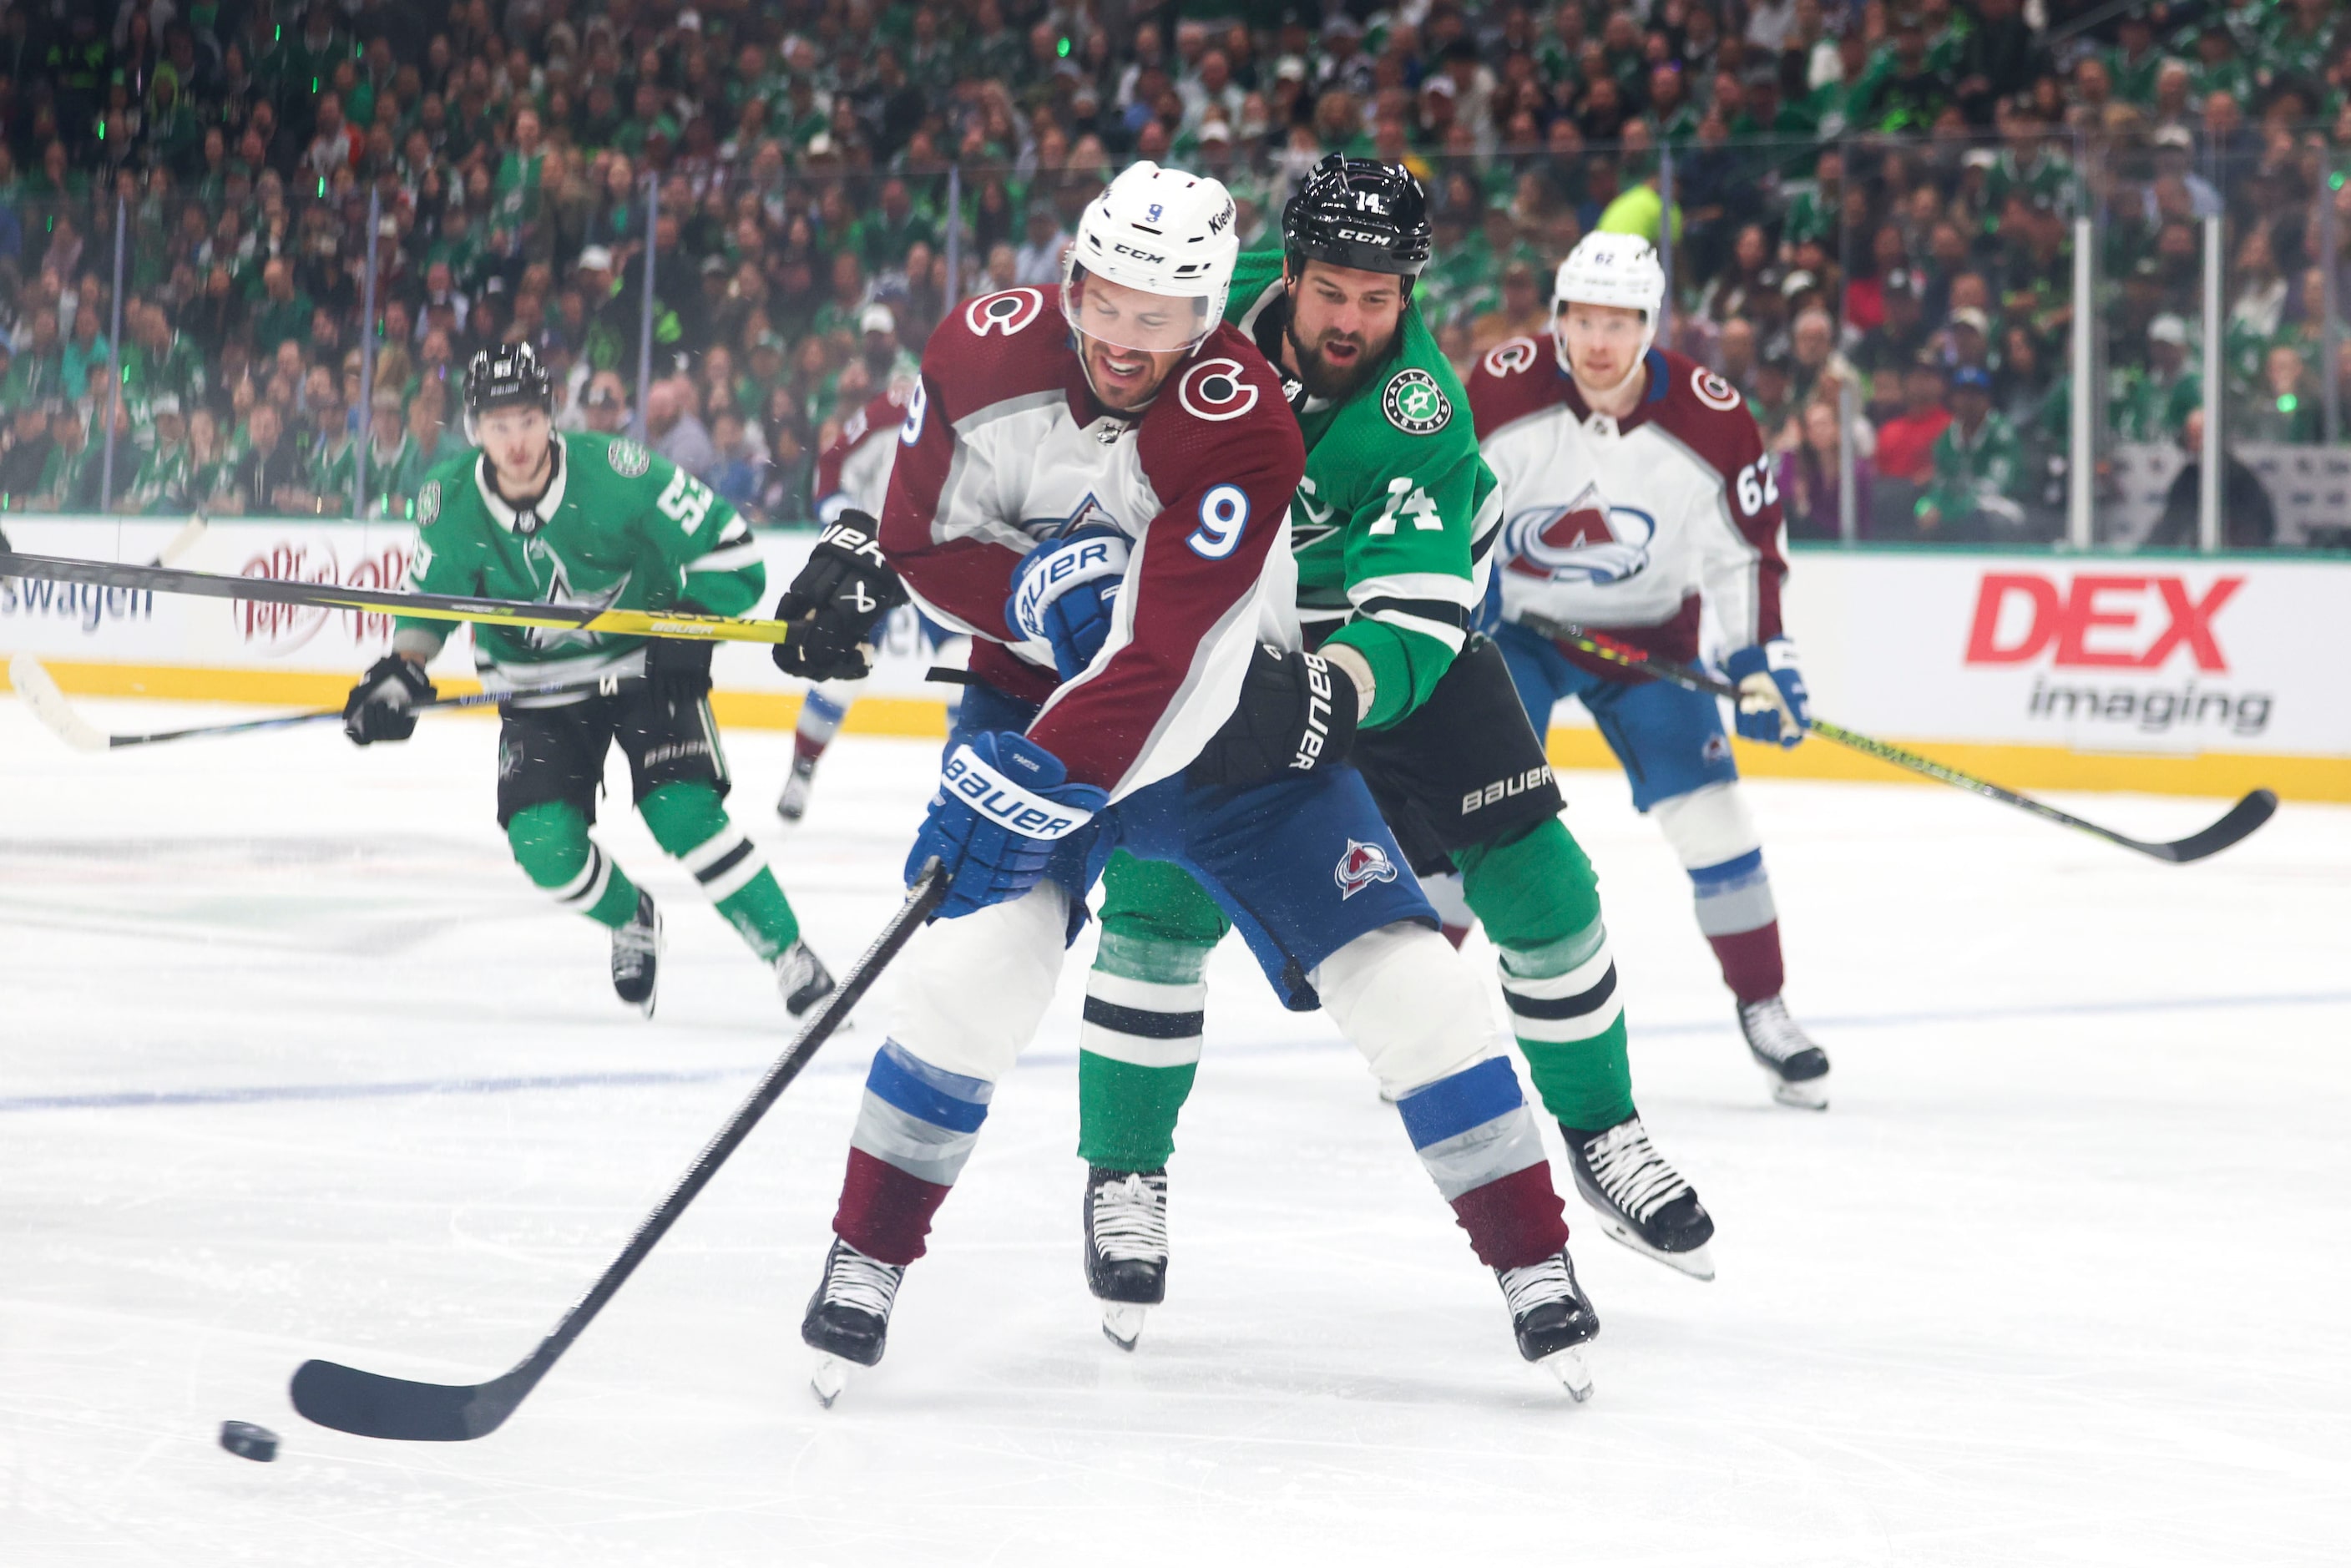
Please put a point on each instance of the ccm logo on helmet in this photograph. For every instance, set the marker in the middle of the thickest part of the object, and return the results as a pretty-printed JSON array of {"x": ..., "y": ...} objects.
[
  {"x": 1143, "y": 256},
  {"x": 1006, "y": 312}
]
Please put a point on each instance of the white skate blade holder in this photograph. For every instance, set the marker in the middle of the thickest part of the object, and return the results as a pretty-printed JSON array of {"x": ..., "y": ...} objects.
[
  {"x": 1121, "y": 1322},
  {"x": 1698, "y": 1262},
  {"x": 1573, "y": 1372},
  {"x": 827, "y": 1378},
  {"x": 1805, "y": 1094}
]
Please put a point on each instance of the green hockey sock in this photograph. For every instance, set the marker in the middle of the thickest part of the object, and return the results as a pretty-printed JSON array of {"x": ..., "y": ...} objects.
[
  {"x": 550, "y": 843},
  {"x": 689, "y": 822},
  {"x": 1139, "y": 1048},
  {"x": 1540, "y": 903}
]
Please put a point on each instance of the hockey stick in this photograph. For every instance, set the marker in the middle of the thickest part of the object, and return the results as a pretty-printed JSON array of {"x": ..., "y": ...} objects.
[
  {"x": 175, "y": 549},
  {"x": 41, "y": 693},
  {"x": 385, "y": 601},
  {"x": 373, "y": 1406},
  {"x": 2238, "y": 822}
]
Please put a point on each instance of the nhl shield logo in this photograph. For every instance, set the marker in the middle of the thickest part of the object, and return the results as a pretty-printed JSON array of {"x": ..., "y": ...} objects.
[
  {"x": 1361, "y": 866},
  {"x": 1415, "y": 404}
]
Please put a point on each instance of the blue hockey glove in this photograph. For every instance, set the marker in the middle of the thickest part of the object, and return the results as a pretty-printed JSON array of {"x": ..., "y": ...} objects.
[
  {"x": 1064, "y": 591},
  {"x": 1004, "y": 803},
  {"x": 1773, "y": 705}
]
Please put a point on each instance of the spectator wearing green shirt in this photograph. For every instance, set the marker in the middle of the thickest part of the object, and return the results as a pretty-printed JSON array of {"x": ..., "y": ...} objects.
[
  {"x": 2283, "y": 408},
  {"x": 159, "y": 484},
  {"x": 2132, "y": 64},
  {"x": 38, "y": 371},
  {"x": 1977, "y": 468},
  {"x": 882, "y": 238},
  {"x": 2148, "y": 403},
  {"x": 284, "y": 312},
  {"x": 70, "y": 475}
]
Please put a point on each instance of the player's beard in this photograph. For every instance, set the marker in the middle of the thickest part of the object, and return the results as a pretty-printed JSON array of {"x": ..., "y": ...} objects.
[{"x": 1321, "y": 378}]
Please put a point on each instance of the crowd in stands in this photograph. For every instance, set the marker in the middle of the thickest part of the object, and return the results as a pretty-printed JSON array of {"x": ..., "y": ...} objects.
[{"x": 1875, "y": 199}]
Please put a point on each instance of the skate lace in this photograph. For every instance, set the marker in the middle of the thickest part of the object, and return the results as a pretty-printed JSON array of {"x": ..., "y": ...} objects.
[
  {"x": 1771, "y": 1030},
  {"x": 862, "y": 1284},
  {"x": 1131, "y": 1219},
  {"x": 1537, "y": 1285},
  {"x": 632, "y": 948},
  {"x": 1629, "y": 1169}
]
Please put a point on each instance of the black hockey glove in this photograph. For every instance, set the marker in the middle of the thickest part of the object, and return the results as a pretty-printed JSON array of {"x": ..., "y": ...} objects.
[
  {"x": 839, "y": 597},
  {"x": 382, "y": 706},
  {"x": 1297, "y": 714},
  {"x": 678, "y": 668}
]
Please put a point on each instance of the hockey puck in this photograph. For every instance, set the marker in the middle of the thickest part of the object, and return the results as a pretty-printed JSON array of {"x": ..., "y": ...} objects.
[{"x": 247, "y": 1441}]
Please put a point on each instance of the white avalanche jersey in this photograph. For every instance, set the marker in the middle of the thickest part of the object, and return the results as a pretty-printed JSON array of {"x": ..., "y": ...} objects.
[
  {"x": 854, "y": 471},
  {"x": 1628, "y": 527},
  {"x": 1003, "y": 446}
]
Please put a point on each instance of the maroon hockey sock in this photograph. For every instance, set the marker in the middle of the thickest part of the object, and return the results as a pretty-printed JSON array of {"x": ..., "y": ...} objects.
[
  {"x": 1457, "y": 935},
  {"x": 808, "y": 749},
  {"x": 884, "y": 1213},
  {"x": 1751, "y": 962},
  {"x": 1515, "y": 1220}
]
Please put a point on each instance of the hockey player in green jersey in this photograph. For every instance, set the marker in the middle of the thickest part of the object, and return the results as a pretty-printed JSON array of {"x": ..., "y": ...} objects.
[
  {"x": 1390, "y": 529},
  {"x": 529, "y": 514}
]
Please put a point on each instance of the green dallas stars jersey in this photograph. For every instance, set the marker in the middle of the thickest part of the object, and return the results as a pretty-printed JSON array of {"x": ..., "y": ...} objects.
[
  {"x": 1391, "y": 524},
  {"x": 624, "y": 530}
]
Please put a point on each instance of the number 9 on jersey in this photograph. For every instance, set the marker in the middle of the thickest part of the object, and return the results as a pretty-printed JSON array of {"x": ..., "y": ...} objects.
[{"x": 1223, "y": 513}]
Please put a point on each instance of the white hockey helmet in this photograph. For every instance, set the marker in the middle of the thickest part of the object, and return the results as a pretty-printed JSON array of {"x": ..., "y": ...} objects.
[
  {"x": 1617, "y": 269},
  {"x": 1162, "y": 232}
]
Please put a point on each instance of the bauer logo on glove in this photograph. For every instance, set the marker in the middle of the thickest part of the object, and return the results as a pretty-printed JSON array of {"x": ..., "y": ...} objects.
[{"x": 996, "y": 796}]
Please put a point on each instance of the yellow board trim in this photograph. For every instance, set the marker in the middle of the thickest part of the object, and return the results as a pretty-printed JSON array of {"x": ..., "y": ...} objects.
[{"x": 2223, "y": 774}]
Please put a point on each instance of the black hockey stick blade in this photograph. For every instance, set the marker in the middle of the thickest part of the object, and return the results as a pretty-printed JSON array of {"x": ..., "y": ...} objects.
[
  {"x": 370, "y": 1405},
  {"x": 2242, "y": 819},
  {"x": 2240, "y": 822}
]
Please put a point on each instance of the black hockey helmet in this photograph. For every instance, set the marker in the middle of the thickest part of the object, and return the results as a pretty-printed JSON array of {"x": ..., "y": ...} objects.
[
  {"x": 504, "y": 376},
  {"x": 1356, "y": 212}
]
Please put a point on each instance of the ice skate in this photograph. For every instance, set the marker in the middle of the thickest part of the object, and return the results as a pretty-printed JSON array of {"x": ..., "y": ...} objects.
[
  {"x": 1126, "y": 1248},
  {"x": 848, "y": 1321},
  {"x": 802, "y": 979},
  {"x": 1799, "y": 1069},
  {"x": 636, "y": 955},
  {"x": 1642, "y": 1200},
  {"x": 792, "y": 805},
  {"x": 1552, "y": 1319}
]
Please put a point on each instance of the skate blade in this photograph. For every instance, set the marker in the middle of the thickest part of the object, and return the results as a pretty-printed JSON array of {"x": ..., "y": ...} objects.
[
  {"x": 1809, "y": 1094},
  {"x": 1573, "y": 1369},
  {"x": 1121, "y": 1322},
  {"x": 828, "y": 1377},
  {"x": 1698, "y": 1262}
]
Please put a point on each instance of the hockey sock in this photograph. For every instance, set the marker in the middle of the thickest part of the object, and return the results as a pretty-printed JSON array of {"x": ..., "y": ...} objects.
[
  {"x": 1139, "y": 1048},
  {"x": 1475, "y": 1134},
  {"x": 1540, "y": 902},
  {"x": 915, "y": 1130},
  {"x": 1741, "y": 924},
  {"x": 821, "y": 711},
  {"x": 688, "y": 821},
  {"x": 550, "y": 843}
]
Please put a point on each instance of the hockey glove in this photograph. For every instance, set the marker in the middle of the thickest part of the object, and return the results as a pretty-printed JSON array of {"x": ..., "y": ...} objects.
[
  {"x": 1004, "y": 804},
  {"x": 839, "y": 597},
  {"x": 1063, "y": 593},
  {"x": 678, "y": 668},
  {"x": 1297, "y": 714},
  {"x": 1773, "y": 705},
  {"x": 380, "y": 706}
]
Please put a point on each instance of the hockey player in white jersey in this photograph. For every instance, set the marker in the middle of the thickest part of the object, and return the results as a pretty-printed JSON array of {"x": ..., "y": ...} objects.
[
  {"x": 1636, "y": 491},
  {"x": 1111, "y": 454}
]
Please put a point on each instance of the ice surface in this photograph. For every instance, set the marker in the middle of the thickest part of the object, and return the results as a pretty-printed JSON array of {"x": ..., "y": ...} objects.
[{"x": 295, "y": 1063}]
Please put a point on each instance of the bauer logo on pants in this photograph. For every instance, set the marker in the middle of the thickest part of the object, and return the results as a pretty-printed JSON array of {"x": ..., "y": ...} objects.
[{"x": 1361, "y": 866}]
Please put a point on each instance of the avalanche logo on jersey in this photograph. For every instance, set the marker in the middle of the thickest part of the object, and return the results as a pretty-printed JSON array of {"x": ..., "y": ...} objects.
[
  {"x": 1089, "y": 514},
  {"x": 1587, "y": 540},
  {"x": 1361, "y": 866}
]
